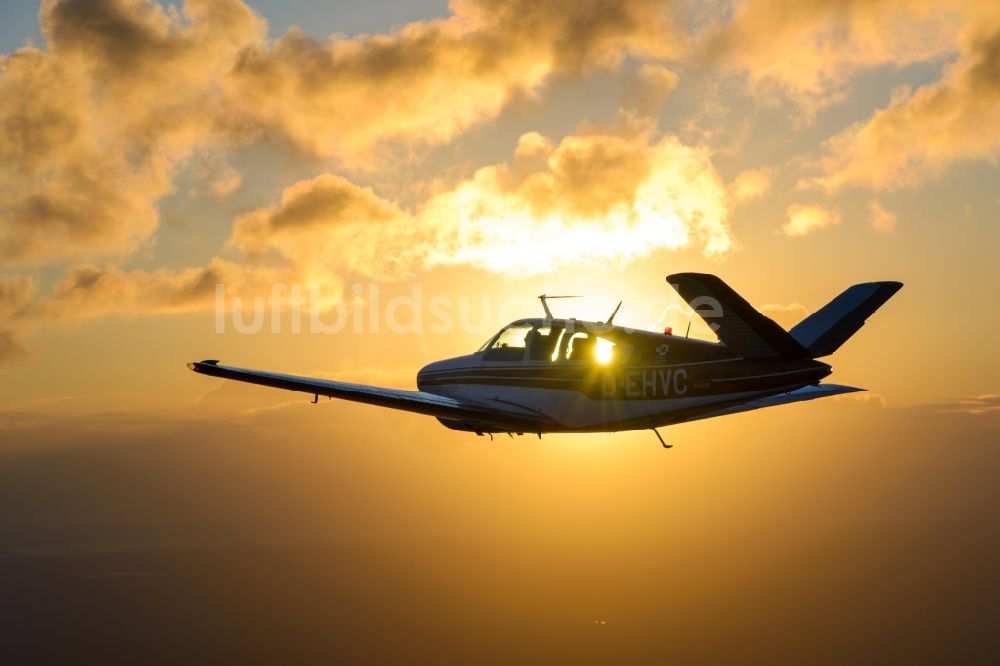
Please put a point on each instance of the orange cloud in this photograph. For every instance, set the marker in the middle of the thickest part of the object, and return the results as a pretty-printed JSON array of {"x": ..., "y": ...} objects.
[
  {"x": 987, "y": 405},
  {"x": 93, "y": 129},
  {"x": 921, "y": 133},
  {"x": 604, "y": 193},
  {"x": 308, "y": 212},
  {"x": 16, "y": 292},
  {"x": 649, "y": 88},
  {"x": 429, "y": 81},
  {"x": 785, "y": 314},
  {"x": 90, "y": 292},
  {"x": 751, "y": 184},
  {"x": 594, "y": 196},
  {"x": 802, "y": 220},
  {"x": 881, "y": 220},
  {"x": 808, "y": 50},
  {"x": 616, "y": 193}
]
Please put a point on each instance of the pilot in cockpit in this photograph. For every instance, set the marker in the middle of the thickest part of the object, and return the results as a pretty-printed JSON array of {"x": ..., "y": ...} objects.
[
  {"x": 541, "y": 345},
  {"x": 583, "y": 348}
]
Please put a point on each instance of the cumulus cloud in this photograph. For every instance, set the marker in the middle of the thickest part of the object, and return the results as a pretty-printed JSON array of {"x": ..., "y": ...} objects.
[
  {"x": 802, "y": 220},
  {"x": 921, "y": 133},
  {"x": 428, "y": 81},
  {"x": 16, "y": 292},
  {"x": 90, "y": 291},
  {"x": 310, "y": 209},
  {"x": 881, "y": 220},
  {"x": 808, "y": 50},
  {"x": 751, "y": 184},
  {"x": 599, "y": 194},
  {"x": 648, "y": 89},
  {"x": 614, "y": 192},
  {"x": 94, "y": 128}
]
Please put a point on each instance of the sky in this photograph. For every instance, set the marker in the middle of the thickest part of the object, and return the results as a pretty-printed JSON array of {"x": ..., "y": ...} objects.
[{"x": 425, "y": 169}]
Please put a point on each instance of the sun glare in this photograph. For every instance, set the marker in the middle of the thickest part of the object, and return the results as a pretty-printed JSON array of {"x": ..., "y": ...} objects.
[{"x": 604, "y": 351}]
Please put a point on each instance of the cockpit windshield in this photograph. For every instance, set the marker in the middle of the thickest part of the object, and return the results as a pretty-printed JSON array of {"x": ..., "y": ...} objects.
[{"x": 555, "y": 342}]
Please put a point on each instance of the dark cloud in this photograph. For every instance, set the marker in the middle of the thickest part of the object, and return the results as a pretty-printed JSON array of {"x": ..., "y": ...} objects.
[
  {"x": 11, "y": 347},
  {"x": 16, "y": 292}
]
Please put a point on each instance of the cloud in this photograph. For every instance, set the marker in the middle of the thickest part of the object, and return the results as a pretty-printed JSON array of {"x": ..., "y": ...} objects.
[
  {"x": 986, "y": 405},
  {"x": 11, "y": 347},
  {"x": 881, "y": 220},
  {"x": 802, "y": 220},
  {"x": 808, "y": 51},
  {"x": 595, "y": 196},
  {"x": 442, "y": 76},
  {"x": 648, "y": 89},
  {"x": 94, "y": 129},
  {"x": 785, "y": 314},
  {"x": 921, "y": 133},
  {"x": 751, "y": 184},
  {"x": 603, "y": 193},
  {"x": 89, "y": 291},
  {"x": 16, "y": 292},
  {"x": 311, "y": 209}
]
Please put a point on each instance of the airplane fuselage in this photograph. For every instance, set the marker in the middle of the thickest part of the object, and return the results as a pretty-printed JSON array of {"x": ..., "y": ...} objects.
[
  {"x": 567, "y": 375},
  {"x": 656, "y": 379}
]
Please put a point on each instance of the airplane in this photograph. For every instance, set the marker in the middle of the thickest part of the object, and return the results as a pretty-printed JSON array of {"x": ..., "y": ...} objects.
[{"x": 552, "y": 375}]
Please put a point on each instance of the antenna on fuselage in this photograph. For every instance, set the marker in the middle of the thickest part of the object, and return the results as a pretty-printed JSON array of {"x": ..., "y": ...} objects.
[
  {"x": 545, "y": 306},
  {"x": 612, "y": 317}
]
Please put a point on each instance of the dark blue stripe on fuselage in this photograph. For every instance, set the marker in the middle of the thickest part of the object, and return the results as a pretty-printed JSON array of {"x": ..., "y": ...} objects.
[{"x": 644, "y": 382}]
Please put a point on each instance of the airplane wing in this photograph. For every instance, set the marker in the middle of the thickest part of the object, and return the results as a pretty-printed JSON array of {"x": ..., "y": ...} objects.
[
  {"x": 798, "y": 395},
  {"x": 502, "y": 415},
  {"x": 738, "y": 325}
]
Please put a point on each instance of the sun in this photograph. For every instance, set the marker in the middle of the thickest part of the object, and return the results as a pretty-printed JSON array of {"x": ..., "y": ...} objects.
[{"x": 604, "y": 351}]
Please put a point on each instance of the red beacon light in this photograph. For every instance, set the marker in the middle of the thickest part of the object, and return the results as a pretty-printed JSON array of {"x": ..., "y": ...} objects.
[{"x": 669, "y": 330}]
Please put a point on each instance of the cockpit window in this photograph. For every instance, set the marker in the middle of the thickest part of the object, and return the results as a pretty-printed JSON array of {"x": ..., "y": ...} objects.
[
  {"x": 592, "y": 348},
  {"x": 580, "y": 347},
  {"x": 543, "y": 343},
  {"x": 555, "y": 343},
  {"x": 510, "y": 344}
]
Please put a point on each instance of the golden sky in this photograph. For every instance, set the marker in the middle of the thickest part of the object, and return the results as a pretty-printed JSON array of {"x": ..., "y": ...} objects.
[{"x": 482, "y": 152}]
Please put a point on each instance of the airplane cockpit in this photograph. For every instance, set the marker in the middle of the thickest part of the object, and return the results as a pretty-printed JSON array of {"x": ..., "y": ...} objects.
[{"x": 553, "y": 341}]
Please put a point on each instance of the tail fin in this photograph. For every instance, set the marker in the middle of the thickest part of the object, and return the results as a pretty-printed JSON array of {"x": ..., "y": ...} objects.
[
  {"x": 738, "y": 325},
  {"x": 824, "y": 331}
]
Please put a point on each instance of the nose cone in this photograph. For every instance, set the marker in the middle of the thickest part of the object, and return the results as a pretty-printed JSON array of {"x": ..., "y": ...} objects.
[{"x": 438, "y": 372}]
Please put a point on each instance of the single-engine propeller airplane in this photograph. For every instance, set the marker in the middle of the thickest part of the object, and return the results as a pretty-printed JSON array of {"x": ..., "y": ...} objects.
[{"x": 547, "y": 375}]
